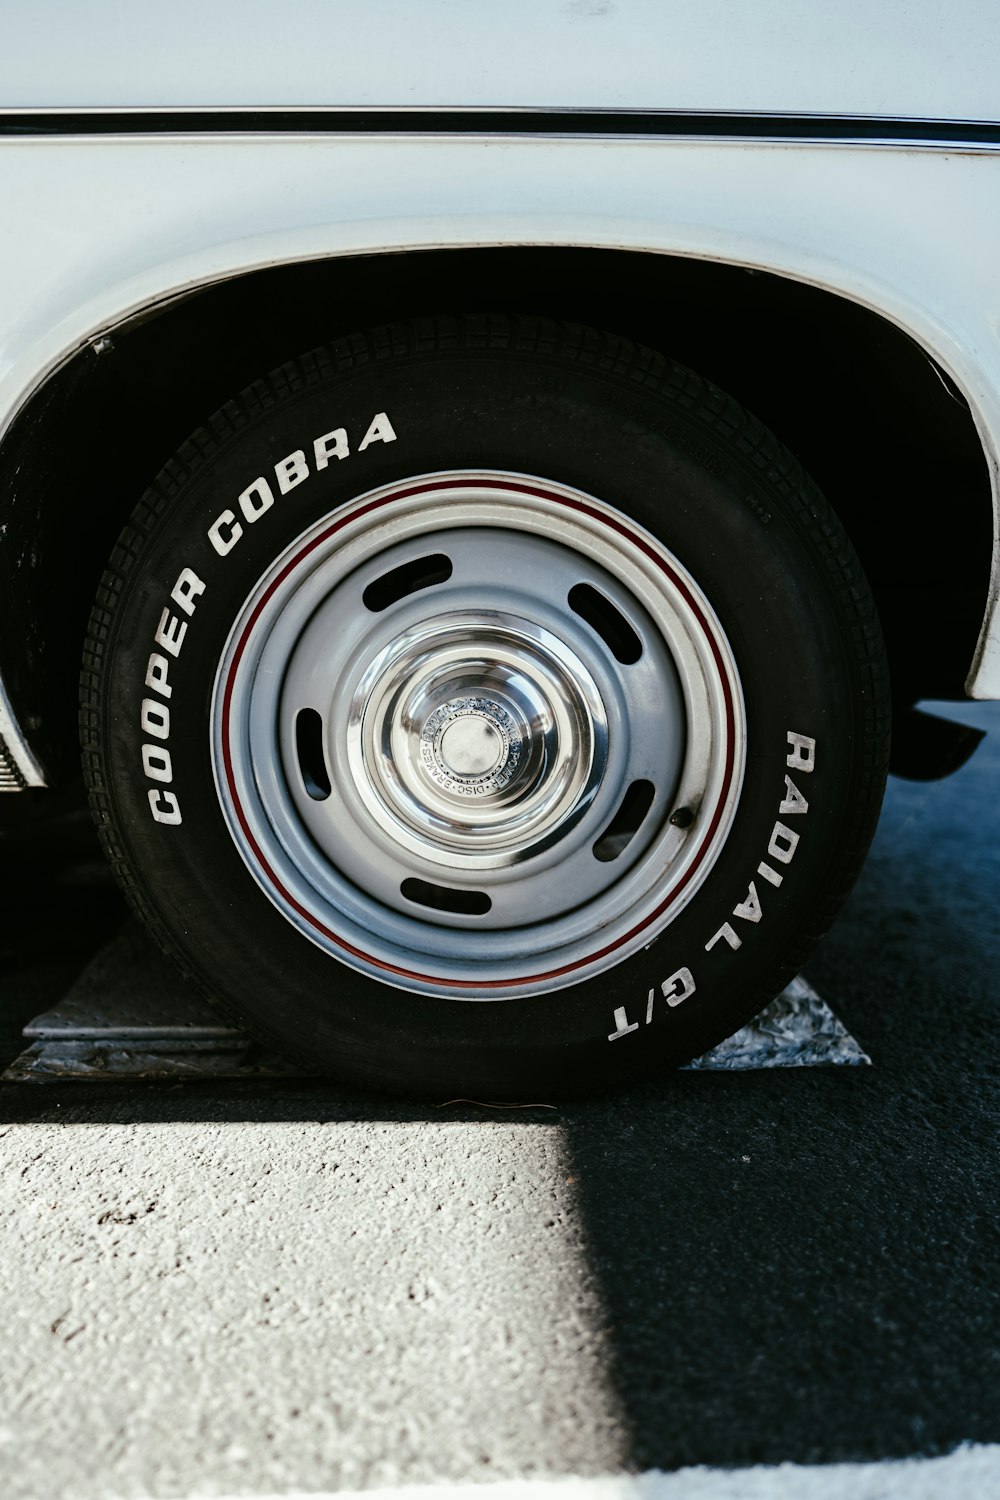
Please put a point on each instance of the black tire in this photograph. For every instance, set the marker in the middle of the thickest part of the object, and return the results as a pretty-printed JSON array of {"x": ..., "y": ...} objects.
[{"x": 660, "y": 447}]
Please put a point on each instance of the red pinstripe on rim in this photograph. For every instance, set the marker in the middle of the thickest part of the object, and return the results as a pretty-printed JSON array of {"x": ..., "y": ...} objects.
[{"x": 569, "y": 502}]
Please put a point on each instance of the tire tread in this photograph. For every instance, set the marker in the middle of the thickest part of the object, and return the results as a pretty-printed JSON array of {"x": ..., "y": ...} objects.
[{"x": 608, "y": 354}]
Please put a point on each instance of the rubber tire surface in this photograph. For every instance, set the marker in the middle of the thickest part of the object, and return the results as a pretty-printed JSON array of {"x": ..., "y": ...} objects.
[{"x": 566, "y": 404}]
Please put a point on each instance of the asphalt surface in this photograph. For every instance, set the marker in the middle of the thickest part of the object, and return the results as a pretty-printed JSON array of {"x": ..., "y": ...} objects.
[{"x": 262, "y": 1287}]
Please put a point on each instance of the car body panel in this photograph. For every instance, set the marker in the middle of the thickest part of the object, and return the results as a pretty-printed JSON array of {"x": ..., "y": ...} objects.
[
  {"x": 931, "y": 60},
  {"x": 99, "y": 232}
]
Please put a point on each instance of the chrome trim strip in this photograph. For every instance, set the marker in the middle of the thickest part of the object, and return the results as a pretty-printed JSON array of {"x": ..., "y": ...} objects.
[
  {"x": 849, "y": 130},
  {"x": 17, "y": 750}
]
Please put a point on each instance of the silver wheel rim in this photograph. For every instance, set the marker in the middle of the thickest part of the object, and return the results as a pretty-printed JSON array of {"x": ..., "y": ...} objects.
[{"x": 478, "y": 735}]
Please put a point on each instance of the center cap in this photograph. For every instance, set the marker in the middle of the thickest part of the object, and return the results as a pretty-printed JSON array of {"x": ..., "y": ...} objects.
[{"x": 470, "y": 747}]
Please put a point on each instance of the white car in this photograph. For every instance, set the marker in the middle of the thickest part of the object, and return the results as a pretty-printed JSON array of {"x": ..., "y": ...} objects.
[{"x": 491, "y": 446}]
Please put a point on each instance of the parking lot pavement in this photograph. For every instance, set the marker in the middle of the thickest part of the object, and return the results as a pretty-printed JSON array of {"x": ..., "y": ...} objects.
[{"x": 255, "y": 1289}]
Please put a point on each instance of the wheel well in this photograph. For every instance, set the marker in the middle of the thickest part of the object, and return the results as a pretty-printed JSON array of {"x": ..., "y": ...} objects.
[{"x": 871, "y": 417}]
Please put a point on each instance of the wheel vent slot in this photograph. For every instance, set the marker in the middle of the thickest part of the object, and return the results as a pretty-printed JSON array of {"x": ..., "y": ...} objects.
[
  {"x": 626, "y": 822},
  {"x": 309, "y": 750},
  {"x": 421, "y": 573},
  {"x": 444, "y": 898},
  {"x": 610, "y": 624}
]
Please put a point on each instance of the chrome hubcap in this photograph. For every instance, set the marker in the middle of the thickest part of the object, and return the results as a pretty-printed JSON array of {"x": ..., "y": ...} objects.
[{"x": 477, "y": 739}]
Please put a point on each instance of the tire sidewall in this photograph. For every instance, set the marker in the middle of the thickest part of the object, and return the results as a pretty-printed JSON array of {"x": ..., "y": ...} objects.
[{"x": 750, "y": 532}]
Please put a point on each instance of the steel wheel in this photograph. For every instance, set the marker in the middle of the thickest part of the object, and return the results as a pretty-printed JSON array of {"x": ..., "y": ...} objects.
[{"x": 471, "y": 722}]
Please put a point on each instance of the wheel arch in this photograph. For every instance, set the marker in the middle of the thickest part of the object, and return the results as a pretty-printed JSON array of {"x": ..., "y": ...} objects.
[{"x": 875, "y": 420}]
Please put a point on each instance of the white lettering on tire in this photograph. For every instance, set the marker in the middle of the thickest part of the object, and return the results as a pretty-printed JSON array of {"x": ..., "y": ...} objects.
[
  {"x": 782, "y": 844},
  {"x": 157, "y": 674},
  {"x": 156, "y": 763},
  {"x": 289, "y": 472},
  {"x": 155, "y": 719},
  {"x": 224, "y": 532},
  {"x": 379, "y": 431},
  {"x": 256, "y": 499},
  {"x": 802, "y": 756},
  {"x": 170, "y": 633},
  {"x": 781, "y": 848},
  {"x": 164, "y": 806},
  {"x": 331, "y": 445},
  {"x": 622, "y": 1024},
  {"x": 793, "y": 801},
  {"x": 154, "y": 715},
  {"x": 675, "y": 990},
  {"x": 749, "y": 909},
  {"x": 186, "y": 590},
  {"x": 728, "y": 932}
]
